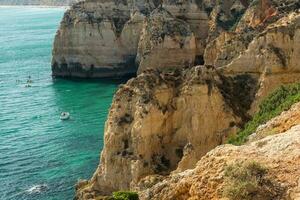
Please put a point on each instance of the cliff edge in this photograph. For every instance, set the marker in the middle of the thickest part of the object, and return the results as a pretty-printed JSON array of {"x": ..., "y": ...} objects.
[{"x": 165, "y": 120}]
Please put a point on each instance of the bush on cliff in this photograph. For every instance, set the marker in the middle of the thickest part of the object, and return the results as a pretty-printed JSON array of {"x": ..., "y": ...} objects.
[
  {"x": 125, "y": 195},
  {"x": 280, "y": 100},
  {"x": 248, "y": 181}
]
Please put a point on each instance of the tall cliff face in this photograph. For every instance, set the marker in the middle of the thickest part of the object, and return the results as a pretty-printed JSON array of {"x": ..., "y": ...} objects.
[
  {"x": 164, "y": 121},
  {"x": 101, "y": 38},
  {"x": 163, "y": 36}
]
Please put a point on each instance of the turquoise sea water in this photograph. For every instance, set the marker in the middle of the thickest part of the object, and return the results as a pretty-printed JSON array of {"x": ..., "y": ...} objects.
[{"x": 42, "y": 157}]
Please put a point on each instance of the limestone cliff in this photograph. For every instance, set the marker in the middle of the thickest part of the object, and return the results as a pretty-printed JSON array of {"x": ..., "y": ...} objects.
[
  {"x": 160, "y": 122},
  {"x": 273, "y": 55},
  {"x": 165, "y": 120},
  {"x": 99, "y": 39},
  {"x": 164, "y": 37},
  {"x": 279, "y": 155},
  {"x": 109, "y": 38}
]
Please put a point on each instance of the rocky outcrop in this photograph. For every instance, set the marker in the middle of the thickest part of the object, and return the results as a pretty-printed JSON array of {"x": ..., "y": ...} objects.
[
  {"x": 278, "y": 154},
  {"x": 98, "y": 39},
  {"x": 159, "y": 123},
  {"x": 193, "y": 13},
  {"x": 272, "y": 55},
  {"x": 101, "y": 38},
  {"x": 164, "y": 37},
  {"x": 260, "y": 14},
  {"x": 164, "y": 121}
]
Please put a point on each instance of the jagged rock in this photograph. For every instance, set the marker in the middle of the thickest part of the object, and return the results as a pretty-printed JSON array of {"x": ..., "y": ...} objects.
[
  {"x": 279, "y": 154},
  {"x": 193, "y": 13},
  {"x": 99, "y": 39},
  {"x": 162, "y": 123},
  {"x": 272, "y": 56},
  {"x": 159, "y": 123},
  {"x": 166, "y": 42}
]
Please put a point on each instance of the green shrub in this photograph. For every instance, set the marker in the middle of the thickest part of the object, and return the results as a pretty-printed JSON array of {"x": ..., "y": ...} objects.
[
  {"x": 249, "y": 181},
  {"x": 280, "y": 100},
  {"x": 125, "y": 195}
]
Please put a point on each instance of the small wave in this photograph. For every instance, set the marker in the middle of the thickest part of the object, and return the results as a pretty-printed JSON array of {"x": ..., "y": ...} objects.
[{"x": 37, "y": 189}]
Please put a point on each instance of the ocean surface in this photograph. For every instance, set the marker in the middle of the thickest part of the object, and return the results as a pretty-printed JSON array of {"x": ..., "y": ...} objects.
[{"x": 42, "y": 157}]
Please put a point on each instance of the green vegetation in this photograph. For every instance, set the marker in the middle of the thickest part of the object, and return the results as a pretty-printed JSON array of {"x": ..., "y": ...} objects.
[
  {"x": 249, "y": 181},
  {"x": 280, "y": 100},
  {"x": 125, "y": 195}
]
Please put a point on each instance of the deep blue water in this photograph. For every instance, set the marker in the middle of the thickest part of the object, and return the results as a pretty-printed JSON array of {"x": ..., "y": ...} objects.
[{"x": 42, "y": 157}]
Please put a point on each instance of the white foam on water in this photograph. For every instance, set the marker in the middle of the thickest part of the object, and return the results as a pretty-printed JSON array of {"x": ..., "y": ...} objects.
[{"x": 37, "y": 189}]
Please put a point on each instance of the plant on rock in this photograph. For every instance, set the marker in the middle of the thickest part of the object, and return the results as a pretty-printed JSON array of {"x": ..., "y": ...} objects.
[{"x": 125, "y": 195}]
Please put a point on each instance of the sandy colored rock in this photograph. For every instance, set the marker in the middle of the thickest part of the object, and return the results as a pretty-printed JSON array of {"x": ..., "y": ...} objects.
[
  {"x": 163, "y": 122},
  {"x": 165, "y": 43},
  {"x": 159, "y": 123},
  {"x": 99, "y": 39},
  {"x": 280, "y": 154},
  {"x": 273, "y": 56}
]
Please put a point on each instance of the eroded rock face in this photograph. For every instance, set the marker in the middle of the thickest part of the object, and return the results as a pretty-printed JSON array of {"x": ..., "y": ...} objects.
[
  {"x": 164, "y": 121},
  {"x": 279, "y": 154},
  {"x": 165, "y": 43},
  {"x": 273, "y": 55},
  {"x": 99, "y": 39},
  {"x": 193, "y": 13},
  {"x": 159, "y": 123}
]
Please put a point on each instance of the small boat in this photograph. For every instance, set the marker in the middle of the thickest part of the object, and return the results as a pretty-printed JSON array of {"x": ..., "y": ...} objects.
[
  {"x": 65, "y": 116},
  {"x": 27, "y": 85}
]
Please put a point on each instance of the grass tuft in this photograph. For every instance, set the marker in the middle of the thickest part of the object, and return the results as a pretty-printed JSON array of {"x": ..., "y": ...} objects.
[
  {"x": 249, "y": 181},
  {"x": 125, "y": 195}
]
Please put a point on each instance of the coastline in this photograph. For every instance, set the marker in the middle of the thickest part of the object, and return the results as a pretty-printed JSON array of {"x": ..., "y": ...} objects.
[{"x": 34, "y": 6}]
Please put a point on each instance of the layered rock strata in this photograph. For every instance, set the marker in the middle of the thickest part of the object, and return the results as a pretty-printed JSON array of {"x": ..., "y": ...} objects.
[
  {"x": 164, "y": 121},
  {"x": 279, "y": 154},
  {"x": 99, "y": 39},
  {"x": 164, "y": 37},
  {"x": 273, "y": 56}
]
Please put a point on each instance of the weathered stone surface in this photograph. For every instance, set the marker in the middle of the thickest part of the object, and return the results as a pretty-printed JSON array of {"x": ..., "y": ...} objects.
[
  {"x": 165, "y": 43},
  {"x": 273, "y": 55},
  {"x": 159, "y": 123},
  {"x": 98, "y": 39},
  {"x": 193, "y": 13},
  {"x": 162, "y": 123},
  {"x": 280, "y": 154},
  {"x": 260, "y": 14}
]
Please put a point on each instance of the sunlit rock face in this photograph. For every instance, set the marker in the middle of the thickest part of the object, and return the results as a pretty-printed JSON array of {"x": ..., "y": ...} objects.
[
  {"x": 173, "y": 114},
  {"x": 160, "y": 122},
  {"x": 165, "y": 43},
  {"x": 99, "y": 39},
  {"x": 279, "y": 154}
]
